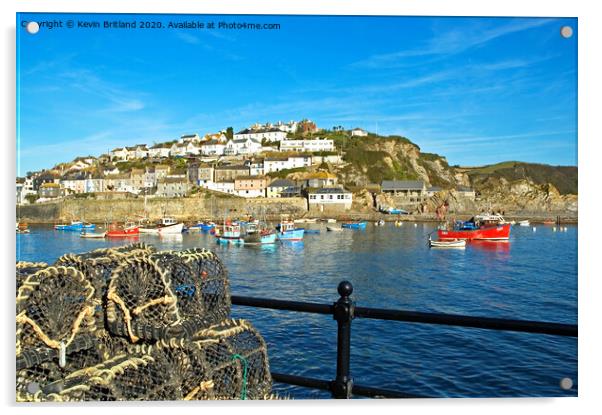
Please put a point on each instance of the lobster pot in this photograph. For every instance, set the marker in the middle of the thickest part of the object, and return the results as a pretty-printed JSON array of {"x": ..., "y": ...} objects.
[
  {"x": 237, "y": 357},
  {"x": 39, "y": 367},
  {"x": 213, "y": 278},
  {"x": 54, "y": 306},
  {"x": 155, "y": 297},
  {"x": 25, "y": 269},
  {"x": 227, "y": 361}
]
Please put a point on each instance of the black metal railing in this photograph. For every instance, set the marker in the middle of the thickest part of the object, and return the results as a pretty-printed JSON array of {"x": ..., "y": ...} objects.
[{"x": 344, "y": 311}]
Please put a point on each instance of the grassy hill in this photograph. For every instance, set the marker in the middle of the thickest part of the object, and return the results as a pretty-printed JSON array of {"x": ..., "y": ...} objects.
[{"x": 564, "y": 178}]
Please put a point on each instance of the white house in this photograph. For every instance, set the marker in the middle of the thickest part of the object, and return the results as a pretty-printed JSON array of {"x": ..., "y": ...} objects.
[
  {"x": 224, "y": 187},
  {"x": 255, "y": 166},
  {"x": 119, "y": 154},
  {"x": 189, "y": 138},
  {"x": 109, "y": 171},
  {"x": 93, "y": 185},
  {"x": 74, "y": 185},
  {"x": 219, "y": 137},
  {"x": 307, "y": 145},
  {"x": 289, "y": 127},
  {"x": 269, "y": 134},
  {"x": 358, "y": 132},
  {"x": 138, "y": 151},
  {"x": 184, "y": 149},
  {"x": 242, "y": 146},
  {"x": 330, "y": 197},
  {"x": 213, "y": 148},
  {"x": 160, "y": 150},
  {"x": 271, "y": 164}
]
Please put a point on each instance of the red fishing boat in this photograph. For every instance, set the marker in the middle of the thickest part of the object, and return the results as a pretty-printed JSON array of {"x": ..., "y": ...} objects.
[
  {"x": 480, "y": 227},
  {"x": 129, "y": 229}
]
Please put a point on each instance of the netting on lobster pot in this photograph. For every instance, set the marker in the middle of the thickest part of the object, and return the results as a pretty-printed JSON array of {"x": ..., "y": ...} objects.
[
  {"x": 55, "y": 305},
  {"x": 155, "y": 297},
  {"x": 146, "y": 374},
  {"x": 25, "y": 269},
  {"x": 37, "y": 368},
  {"x": 214, "y": 282},
  {"x": 237, "y": 356}
]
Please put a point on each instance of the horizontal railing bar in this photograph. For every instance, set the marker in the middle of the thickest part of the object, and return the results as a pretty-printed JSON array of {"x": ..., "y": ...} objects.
[
  {"x": 326, "y": 385},
  {"x": 300, "y": 306},
  {"x": 489, "y": 323},
  {"x": 302, "y": 381}
]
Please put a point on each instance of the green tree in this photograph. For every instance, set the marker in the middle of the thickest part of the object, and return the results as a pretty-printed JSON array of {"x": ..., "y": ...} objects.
[
  {"x": 31, "y": 198},
  {"x": 229, "y": 133}
]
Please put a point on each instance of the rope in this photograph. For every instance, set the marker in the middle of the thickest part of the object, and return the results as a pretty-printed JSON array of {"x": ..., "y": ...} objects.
[
  {"x": 203, "y": 387},
  {"x": 243, "y": 392},
  {"x": 24, "y": 319}
]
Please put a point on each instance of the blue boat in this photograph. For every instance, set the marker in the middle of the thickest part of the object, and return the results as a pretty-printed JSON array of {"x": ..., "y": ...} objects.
[
  {"x": 288, "y": 232},
  {"x": 354, "y": 225},
  {"x": 76, "y": 226},
  {"x": 230, "y": 234}
]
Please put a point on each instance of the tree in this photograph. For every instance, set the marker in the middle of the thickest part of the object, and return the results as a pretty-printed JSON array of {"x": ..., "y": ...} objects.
[
  {"x": 31, "y": 198},
  {"x": 229, "y": 133}
]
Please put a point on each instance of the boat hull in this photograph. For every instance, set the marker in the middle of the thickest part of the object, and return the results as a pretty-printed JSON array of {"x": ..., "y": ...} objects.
[
  {"x": 292, "y": 235},
  {"x": 257, "y": 239},
  {"x": 122, "y": 233},
  {"x": 494, "y": 233},
  {"x": 93, "y": 235},
  {"x": 230, "y": 240},
  {"x": 360, "y": 225},
  {"x": 448, "y": 244}
]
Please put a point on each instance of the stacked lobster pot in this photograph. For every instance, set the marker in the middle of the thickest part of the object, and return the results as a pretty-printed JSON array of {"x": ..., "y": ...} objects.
[{"x": 132, "y": 323}]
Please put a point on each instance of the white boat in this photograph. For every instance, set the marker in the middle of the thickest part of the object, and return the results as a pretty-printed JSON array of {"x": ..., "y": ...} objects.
[
  {"x": 334, "y": 228},
  {"x": 166, "y": 226},
  {"x": 451, "y": 243},
  {"x": 331, "y": 221},
  {"x": 379, "y": 223},
  {"x": 524, "y": 223},
  {"x": 92, "y": 235}
]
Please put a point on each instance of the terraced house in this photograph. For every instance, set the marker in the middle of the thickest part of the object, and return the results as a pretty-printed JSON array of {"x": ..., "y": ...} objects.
[{"x": 250, "y": 186}]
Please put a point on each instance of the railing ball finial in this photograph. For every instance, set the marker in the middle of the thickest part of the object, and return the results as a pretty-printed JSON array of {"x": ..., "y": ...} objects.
[{"x": 345, "y": 289}]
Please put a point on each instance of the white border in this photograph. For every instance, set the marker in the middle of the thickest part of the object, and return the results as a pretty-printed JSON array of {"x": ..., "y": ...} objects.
[{"x": 589, "y": 155}]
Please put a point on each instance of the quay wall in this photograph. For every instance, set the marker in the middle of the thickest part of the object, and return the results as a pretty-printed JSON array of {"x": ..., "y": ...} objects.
[{"x": 186, "y": 209}]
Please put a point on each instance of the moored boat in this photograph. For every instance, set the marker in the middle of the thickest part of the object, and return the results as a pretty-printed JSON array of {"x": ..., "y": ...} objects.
[
  {"x": 379, "y": 223},
  {"x": 166, "y": 225},
  {"x": 75, "y": 226},
  {"x": 22, "y": 227},
  {"x": 334, "y": 228},
  {"x": 480, "y": 227},
  {"x": 231, "y": 233},
  {"x": 93, "y": 235},
  {"x": 129, "y": 229},
  {"x": 264, "y": 236},
  {"x": 447, "y": 243},
  {"x": 524, "y": 223},
  {"x": 288, "y": 232},
  {"x": 354, "y": 225}
]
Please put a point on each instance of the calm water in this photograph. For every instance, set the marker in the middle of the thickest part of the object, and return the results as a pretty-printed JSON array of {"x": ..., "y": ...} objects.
[{"x": 533, "y": 276}]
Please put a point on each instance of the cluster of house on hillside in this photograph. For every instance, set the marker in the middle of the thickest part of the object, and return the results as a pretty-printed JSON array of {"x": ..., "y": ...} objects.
[{"x": 415, "y": 191}]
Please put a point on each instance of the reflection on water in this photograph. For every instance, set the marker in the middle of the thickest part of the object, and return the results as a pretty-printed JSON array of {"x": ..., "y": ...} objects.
[{"x": 533, "y": 276}]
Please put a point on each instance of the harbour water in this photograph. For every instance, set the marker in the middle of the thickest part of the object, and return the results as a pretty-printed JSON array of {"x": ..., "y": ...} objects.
[{"x": 533, "y": 276}]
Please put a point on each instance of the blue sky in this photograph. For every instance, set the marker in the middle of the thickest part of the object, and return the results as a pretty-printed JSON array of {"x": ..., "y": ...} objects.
[{"x": 476, "y": 90}]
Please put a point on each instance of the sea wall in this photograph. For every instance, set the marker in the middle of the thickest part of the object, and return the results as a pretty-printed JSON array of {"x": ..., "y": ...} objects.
[{"x": 186, "y": 209}]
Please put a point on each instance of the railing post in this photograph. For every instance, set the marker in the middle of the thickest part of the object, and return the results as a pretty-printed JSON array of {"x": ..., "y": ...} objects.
[{"x": 343, "y": 314}]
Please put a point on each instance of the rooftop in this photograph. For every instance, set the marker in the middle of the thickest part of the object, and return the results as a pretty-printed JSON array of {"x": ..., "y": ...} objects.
[
  {"x": 330, "y": 190},
  {"x": 402, "y": 185},
  {"x": 282, "y": 183}
]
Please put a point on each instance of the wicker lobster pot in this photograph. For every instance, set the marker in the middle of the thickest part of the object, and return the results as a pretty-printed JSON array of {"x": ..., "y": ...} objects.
[{"x": 227, "y": 361}]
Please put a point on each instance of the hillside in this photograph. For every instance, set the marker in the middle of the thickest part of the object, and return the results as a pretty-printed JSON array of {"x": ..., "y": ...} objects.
[{"x": 563, "y": 178}]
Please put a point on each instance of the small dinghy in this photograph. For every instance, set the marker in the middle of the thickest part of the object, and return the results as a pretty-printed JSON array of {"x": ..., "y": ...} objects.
[
  {"x": 447, "y": 243},
  {"x": 334, "y": 228},
  {"x": 524, "y": 223},
  {"x": 93, "y": 235}
]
